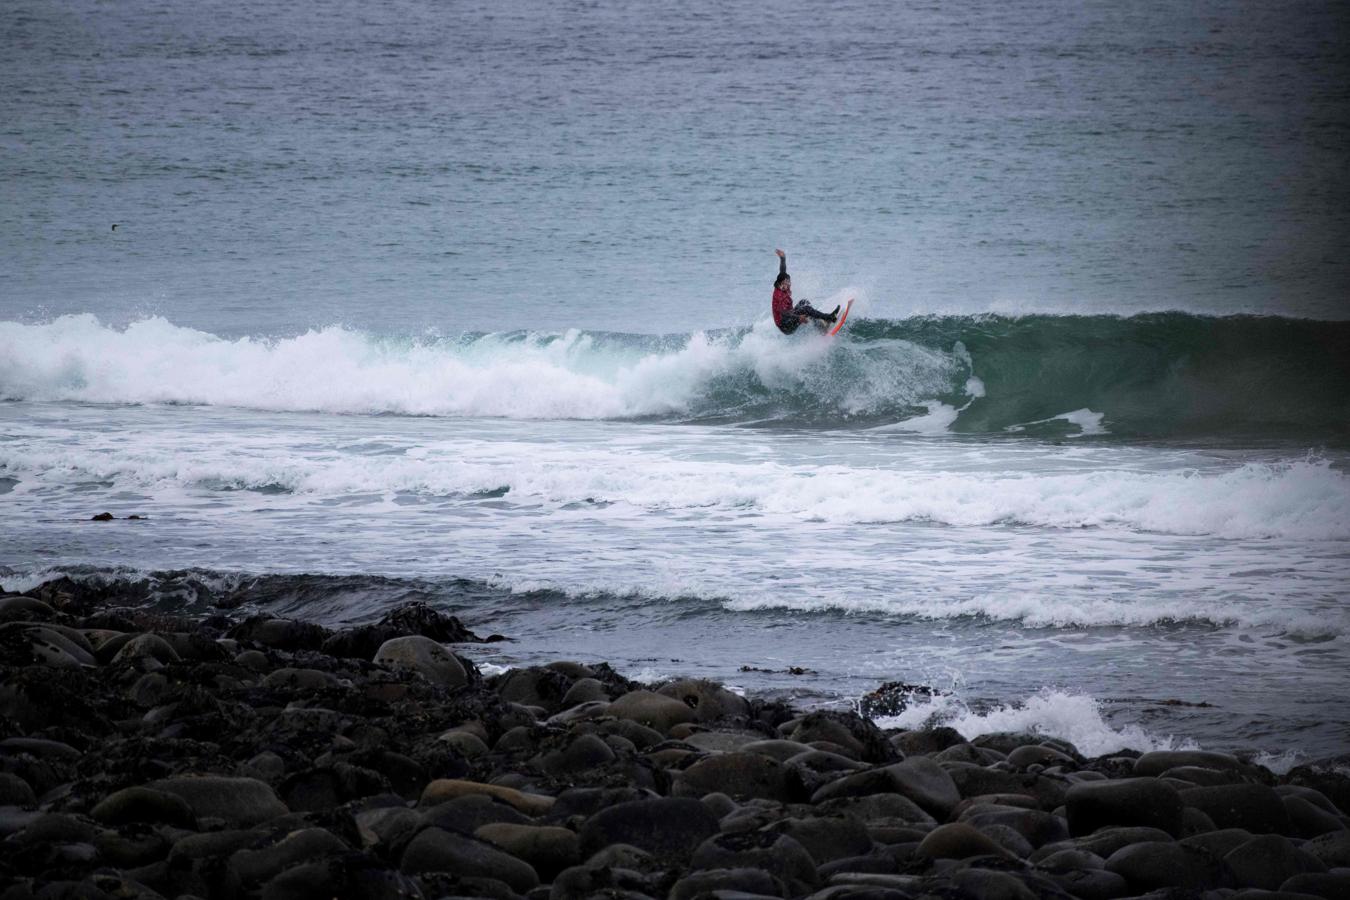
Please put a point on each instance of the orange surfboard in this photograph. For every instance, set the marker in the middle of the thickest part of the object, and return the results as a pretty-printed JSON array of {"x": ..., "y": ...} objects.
[{"x": 843, "y": 317}]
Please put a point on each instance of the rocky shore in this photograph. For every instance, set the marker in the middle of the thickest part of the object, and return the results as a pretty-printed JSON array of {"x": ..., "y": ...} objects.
[{"x": 145, "y": 754}]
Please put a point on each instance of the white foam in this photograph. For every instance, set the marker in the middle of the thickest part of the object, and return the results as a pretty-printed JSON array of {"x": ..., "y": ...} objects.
[
  {"x": 1088, "y": 422},
  {"x": 1305, "y": 499},
  {"x": 1075, "y": 718},
  {"x": 572, "y": 376}
]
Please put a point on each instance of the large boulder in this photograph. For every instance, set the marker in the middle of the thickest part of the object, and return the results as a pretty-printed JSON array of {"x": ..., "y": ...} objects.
[
  {"x": 826, "y": 838},
  {"x": 547, "y": 848},
  {"x": 1157, "y": 762},
  {"x": 141, "y": 804},
  {"x": 425, "y": 657},
  {"x": 778, "y": 854},
  {"x": 444, "y": 789},
  {"x": 709, "y": 700},
  {"x": 239, "y": 801},
  {"x": 1268, "y": 861},
  {"x": 1155, "y": 864},
  {"x": 280, "y": 634},
  {"x": 651, "y": 709},
  {"x": 1254, "y": 807},
  {"x": 667, "y": 828},
  {"x": 405, "y": 620},
  {"x": 438, "y": 850},
  {"x": 957, "y": 840},
  {"x": 1131, "y": 801},
  {"x": 927, "y": 784},
  {"x": 741, "y": 776}
]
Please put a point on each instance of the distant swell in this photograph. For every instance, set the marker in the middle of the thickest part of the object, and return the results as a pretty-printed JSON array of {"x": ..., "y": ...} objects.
[{"x": 1151, "y": 376}]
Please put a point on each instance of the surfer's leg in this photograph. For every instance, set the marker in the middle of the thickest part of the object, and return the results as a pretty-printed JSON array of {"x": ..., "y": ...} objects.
[{"x": 805, "y": 308}]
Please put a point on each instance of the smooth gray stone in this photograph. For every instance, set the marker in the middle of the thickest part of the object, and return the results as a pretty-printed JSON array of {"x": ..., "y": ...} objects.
[{"x": 438, "y": 850}]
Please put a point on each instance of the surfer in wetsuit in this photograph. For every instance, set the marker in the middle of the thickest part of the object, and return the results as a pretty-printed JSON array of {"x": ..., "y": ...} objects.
[{"x": 786, "y": 316}]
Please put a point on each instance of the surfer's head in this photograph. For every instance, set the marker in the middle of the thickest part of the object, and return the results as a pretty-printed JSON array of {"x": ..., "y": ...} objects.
[{"x": 783, "y": 280}]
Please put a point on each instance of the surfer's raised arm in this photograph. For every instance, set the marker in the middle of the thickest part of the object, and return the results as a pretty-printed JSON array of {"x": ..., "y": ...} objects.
[{"x": 782, "y": 263}]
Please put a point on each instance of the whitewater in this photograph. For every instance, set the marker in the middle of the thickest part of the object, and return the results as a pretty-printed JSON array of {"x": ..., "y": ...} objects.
[
  {"x": 910, "y": 500},
  {"x": 471, "y": 307}
]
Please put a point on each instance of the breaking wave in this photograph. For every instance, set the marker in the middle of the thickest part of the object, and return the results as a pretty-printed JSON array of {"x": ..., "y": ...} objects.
[{"x": 1147, "y": 376}]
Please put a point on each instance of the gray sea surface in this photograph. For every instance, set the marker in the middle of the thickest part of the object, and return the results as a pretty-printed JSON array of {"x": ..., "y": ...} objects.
[{"x": 468, "y": 302}]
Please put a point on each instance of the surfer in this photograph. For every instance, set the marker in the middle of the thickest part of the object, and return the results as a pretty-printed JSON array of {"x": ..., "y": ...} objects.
[{"x": 786, "y": 316}]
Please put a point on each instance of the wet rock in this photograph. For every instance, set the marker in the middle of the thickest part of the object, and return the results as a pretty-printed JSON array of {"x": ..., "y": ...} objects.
[
  {"x": 1107, "y": 841},
  {"x": 293, "y": 680},
  {"x": 927, "y": 740},
  {"x": 1038, "y": 755},
  {"x": 1254, "y": 807},
  {"x": 1159, "y": 761},
  {"x": 425, "y": 657},
  {"x": 738, "y": 775},
  {"x": 1329, "y": 885},
  {"x": 1131, "y": 801},
  {"x": 140, "y": 804},
  {"x": 958, "y": 840},
  {"x": 826, "y": 838},
  {"x": 389, "y": 828},
  {"x": 1009, "y": 839},
  {"x": 859, "y": 737},
  {"x": 1038, "y": 827},
  {"x": 1152, "y": 865},
  {"x": 350, "y": 875},
  {"x": 407, "y": 620},
  {"x": 927, "y": 784},
  {"x": 1219, "y": 843},
  {"x": 535, "y": 686},
  {"x": 14, "y": 791},
  {"x": 720, "y": 882},
  {"x": 669, "y": 829},
  {"x": 438, "y": 850},
  {"x": 249, "y": 868},
  {"x": 547, "y": 848},
  {"x": 1332, "y": 849},
  {"x": 814, "y": 769},
  {"x": 443, "y": 789},
  {"x": 1268, "y": 861},
  {"x": 606, "y": 881},
  {"x": 470, "y": 812},
  {"x": 709, "y": 700},
  {"x": 584, "y": 690},
  {"x": 585, "y": 752},
  {"x": 889, "y": 807},
  {"x": 1307, "y": 820},
  {"x": 777, "y": 854},
  {"x": 280, "y": 634},
  {"x": 651, "y": 709},
  {"x": 24, "y": 608},
  {"x": 146, "y": 647},
  {"x": 781, "y": 750},
  {"x": 1201, "y": 776},
  {"x": 1090, "y": 884},
  {"x": 238, "y": 801}
]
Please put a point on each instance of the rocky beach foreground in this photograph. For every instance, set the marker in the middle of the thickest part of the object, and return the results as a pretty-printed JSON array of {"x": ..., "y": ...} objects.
[{"x": 147, "y": 754}]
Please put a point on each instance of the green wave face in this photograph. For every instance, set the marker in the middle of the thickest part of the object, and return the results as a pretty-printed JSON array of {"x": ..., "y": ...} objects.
[
  {"x": 1153, "y": 376},
  {"x": 1162, "y": 375}
]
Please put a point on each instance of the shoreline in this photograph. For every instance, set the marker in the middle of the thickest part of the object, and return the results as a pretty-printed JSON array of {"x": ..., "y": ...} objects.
[{"x": 147, "y": 754}]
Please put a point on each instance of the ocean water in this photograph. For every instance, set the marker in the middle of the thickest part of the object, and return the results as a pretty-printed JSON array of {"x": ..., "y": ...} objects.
[{"x": 469, "y": 304}]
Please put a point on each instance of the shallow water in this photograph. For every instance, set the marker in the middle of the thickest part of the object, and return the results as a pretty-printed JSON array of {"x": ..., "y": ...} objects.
[{"x": 469, "y": 304}]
